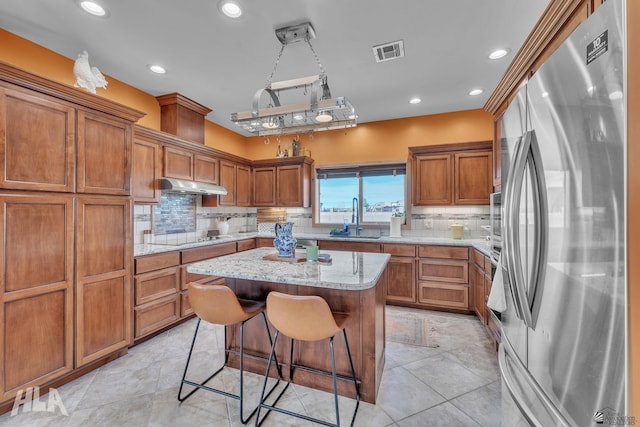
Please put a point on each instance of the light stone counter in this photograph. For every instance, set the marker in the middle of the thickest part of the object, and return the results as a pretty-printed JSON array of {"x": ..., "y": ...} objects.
[{"x": 347, "y": 271}]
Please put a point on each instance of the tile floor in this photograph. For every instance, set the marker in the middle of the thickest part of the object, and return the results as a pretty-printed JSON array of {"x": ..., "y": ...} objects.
[{"x": 454, "y": 381}]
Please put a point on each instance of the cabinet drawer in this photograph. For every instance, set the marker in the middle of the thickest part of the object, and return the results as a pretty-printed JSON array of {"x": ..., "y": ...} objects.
[
  {"x": 147, "y": 263},
  {"x": 477, "y": 257},
  {"x": 198, "y": 254},
  {"x": 339, "y": 245},
  {"x": 443, "y": 294},
  {"x": 245, "y": 245},
  {"x": 264, "y": 242},
  {"x": 156, "y": 315},
  {"x": 150, "y": 286},
  {"x": 399, "y": 250},
  {"x": 447, "y": 252},
  {"x": 200, "y": 278},
  {"x": 185, "y": 307},
  {"x": 441, "y": 270}
]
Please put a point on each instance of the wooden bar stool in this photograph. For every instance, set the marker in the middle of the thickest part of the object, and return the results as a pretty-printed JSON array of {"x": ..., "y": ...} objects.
[
  {"x": 218, "y": 304},
  {"x": 306, "y": 318}
]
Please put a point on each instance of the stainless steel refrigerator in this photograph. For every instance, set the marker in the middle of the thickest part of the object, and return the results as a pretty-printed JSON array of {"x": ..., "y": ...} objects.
[{"x": 563, "y": 352}]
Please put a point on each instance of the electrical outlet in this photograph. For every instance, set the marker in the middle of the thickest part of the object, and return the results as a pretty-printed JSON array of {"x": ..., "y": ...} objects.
[{"x": 428, "y": 224}]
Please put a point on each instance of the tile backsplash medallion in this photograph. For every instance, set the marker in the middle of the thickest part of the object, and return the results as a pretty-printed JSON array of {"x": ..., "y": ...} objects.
[{"x": 188, "y": 221}]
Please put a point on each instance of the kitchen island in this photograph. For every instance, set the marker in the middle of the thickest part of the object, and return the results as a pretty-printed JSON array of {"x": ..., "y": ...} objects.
[{"x": 353, "y": 283}]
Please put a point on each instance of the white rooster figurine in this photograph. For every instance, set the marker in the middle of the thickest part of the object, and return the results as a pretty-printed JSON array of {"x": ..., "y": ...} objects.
[{"x": 86, "y": 76}]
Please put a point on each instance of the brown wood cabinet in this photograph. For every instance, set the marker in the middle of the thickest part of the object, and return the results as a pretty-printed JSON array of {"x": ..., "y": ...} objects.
[
  {"x": 103, "y": 289},
  {"x": 473, "y": 180},
  {"x": 480, "y": 279},
  {"x": 285, "y": 182},
  {"x": 237, "y": 179},
  {"x": 452, "y": 174},
  {"x": 401, "y": 273},
  {"x": 264, "y": 186},
  {"x": 443, "y": 277},
  {"x": 341, "y": 245},
  {"x": 205, "y": 169},
  {"x": 37, "y": 290},
  {"x": 37, "y": 151},
  {"x": 65, "y": 286},
  {"x": 178, "y": 163},
  {"x": 104, "y": 155},
  {"x": 147, "y": 171},
  {"x": 264, "y": 242}
]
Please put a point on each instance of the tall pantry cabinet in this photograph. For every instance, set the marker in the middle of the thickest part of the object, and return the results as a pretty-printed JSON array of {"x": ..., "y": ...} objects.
[{"x": 65, "y": 178}]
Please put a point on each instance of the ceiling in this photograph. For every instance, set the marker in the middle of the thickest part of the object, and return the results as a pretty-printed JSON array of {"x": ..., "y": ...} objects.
[{"x": 220, "y": 63}]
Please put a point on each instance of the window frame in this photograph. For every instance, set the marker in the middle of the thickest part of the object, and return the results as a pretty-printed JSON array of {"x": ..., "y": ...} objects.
[{"x": 361, "y": 171}]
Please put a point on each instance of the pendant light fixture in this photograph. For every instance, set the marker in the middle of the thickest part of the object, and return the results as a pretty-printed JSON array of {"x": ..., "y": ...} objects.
[{"x": 319, "y": 112}]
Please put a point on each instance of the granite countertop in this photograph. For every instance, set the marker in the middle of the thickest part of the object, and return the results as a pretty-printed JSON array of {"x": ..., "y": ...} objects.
[
  {"x": 347, "y": 271},
  {"x": 480, "y": 244}
]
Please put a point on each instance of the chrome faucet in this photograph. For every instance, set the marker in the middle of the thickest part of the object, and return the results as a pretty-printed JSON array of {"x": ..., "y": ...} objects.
[{"x": 355, "y": 215}]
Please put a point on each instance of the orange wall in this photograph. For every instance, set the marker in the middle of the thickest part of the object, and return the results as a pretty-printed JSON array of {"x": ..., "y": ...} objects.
[
  {"x": 384, "y": 140},
  {"x": 34, "y": 58}
]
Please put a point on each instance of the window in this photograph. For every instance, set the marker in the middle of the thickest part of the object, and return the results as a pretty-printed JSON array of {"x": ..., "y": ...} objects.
[{"x": 376, "y": 193}]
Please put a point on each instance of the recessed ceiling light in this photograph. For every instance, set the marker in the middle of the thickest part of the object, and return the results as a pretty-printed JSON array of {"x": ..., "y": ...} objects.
[
  {"x": 415, "y": 101},
  {"x": 230, "y": 9},
  {"x": 499, "y": 53},
  {"x": 475, "y": 92},
  {"x": 93, "y": 8},
  {"x": 158, "y": 69},
  {"x": 298, "y": 117}
]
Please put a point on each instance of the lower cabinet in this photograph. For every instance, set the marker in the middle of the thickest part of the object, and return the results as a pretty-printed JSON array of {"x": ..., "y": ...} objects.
[
  {"x": 161, "y": 284},
  {"x": 401, "y": 273},
  {"x": 443, "y": 277},
  {"x": 481, "y": 270}
]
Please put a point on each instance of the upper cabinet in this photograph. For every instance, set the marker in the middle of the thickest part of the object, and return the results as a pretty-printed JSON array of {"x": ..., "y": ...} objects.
[
  {"x": 178, "y": 163},
  {"x": 236, "y": 179},
  {"x": 147, "y": 170},
  {"x": 452, "y": 174},
  {"x": 282, "y": 182},
  {"x": 38, "y": 148},
  {"x": 104, "y": 155},
  {"x": 205, "y": 169}
]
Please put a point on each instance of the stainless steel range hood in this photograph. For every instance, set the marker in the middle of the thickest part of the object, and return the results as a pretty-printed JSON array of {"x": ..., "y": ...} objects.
[{"x": 173, "y": 185}]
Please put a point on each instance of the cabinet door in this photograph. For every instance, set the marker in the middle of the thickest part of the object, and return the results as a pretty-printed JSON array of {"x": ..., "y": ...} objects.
[
  {"x": 243, "y": 185},
  {"x": 432, "y": 180},
  {"x": 228, "y": 181},
  {"x": 37, "y": 143},
  {"x": 37, "y": 291},
  {"x": 496, "y": 153},
  {"x": 178, "y": 163},
  {"x": 104, "y": 155},
  {"x": 401, "y": 279},
  {"x": 264, "y": 186},
  {"x": 146, "y": 172},
  {"x": 103, "y": 289},
  {"x": 473, "y": 178},
  {"x": 205, "y": 169},
  {"x": 289, "y": 186},
  {"x": 479, "y": 296}
]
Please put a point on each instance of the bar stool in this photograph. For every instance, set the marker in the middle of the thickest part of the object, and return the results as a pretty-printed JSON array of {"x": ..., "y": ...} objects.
[
  {"x": 218, "y": 304},
  {"x": 306, "y": 318}
]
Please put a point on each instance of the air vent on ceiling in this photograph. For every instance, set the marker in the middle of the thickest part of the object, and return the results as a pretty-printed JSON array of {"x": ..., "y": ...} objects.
[{"x": 388, "y": 51}]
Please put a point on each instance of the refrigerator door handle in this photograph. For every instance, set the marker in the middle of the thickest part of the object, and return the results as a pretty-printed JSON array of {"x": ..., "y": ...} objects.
[
  {"x": 507, "y": 359},
  {"x": 514, "y": 271},
  {"x": 526, "y": 294},
  {"x": 541, "y": 234}
]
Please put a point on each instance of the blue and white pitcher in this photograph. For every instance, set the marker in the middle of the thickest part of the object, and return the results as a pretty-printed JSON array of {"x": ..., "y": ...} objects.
[{"x": 284, "y": 242}]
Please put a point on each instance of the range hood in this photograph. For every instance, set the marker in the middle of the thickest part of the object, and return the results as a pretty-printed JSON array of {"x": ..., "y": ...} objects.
[{"x": 173, "y": 185}]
